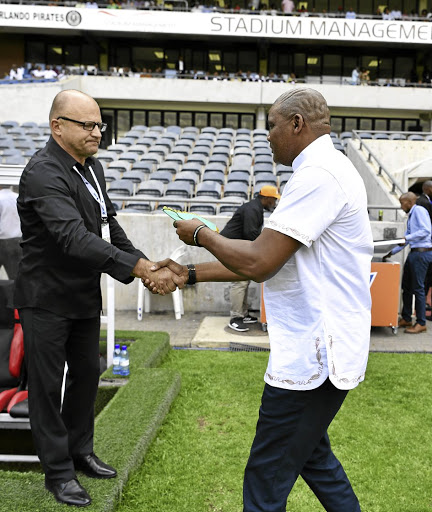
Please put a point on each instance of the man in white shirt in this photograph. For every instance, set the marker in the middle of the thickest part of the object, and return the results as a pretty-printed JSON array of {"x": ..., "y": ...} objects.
[
  {"x": 314, "y": 256},
  {"x": 10, "y": 232}
]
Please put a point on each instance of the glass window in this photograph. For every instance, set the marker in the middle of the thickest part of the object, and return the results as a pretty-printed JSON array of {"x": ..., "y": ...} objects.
[
  {"x": 313, "y": 65},
  {"x": 403, "y": 67},
  {"x": 299, "y": 64},
  {"x": 365, "y": 124},
  {"x": 185, "y": 119},
  {"x": 72, "y": 55},
  {"x": 230, "y": 62},
  {"x": 154, "y": 118},
  {"x": 216, "y": 120},
  {"x": 321, "y": 5},
  {"x": 201, "y": 119},
  {"x": 248, "y": 60},
  {"x": 139, "y": 118},
  {"x": 89, "y": 54},
  {"x": 381, "y": 125},
  {"x": 231, "y": 121},
  {"x": 385, "y": 68},
  {"x": 171, "y": 59},
  {"x": 122, "y": 56},
  {"x": 247, "y": 121},
  {"x": 349, "y": 63},
  {"x": 332, "y": 65},
  {"x": 395, "y": 125},
  {"x": 368, "y": 6},
  {"x": 336, "y": 124},
  {"x": 54, "y": 54},
  {"x": 350, "y": 124},
  {"x": 170, "y": 118},
  {"x": 148, "y": 58},
  {"x": 123, "y": 122},
  {"x": 35, "y": 52},
  {"x": 199, "y": 60},
  {"x": 214, "y": 61}
]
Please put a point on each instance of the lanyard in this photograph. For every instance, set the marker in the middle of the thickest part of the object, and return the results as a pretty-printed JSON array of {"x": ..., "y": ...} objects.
[{"x": 97, "y": 197}]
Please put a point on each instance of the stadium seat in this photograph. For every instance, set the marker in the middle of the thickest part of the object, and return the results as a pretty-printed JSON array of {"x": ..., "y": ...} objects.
[
  {"x": 229, "y": 131},
  {"x": 141, "y": 206},
  {"x": 209, "y": 137},
  {"x": 218, "y": 176},
  {"x": 410, "y": 137},
  {"x": 280, "y": 169},
  {"x": 172, "y": 167},
  {"x": 243, "y": 150},
  {"x": 6, "y": 144},
  {"x": 121, "y": 188},
  {"x": 112, "y": 175},
  {"x": 9, "y": 124},
  {"x": 366, "y": 135},
  {"x": 259, "y": 133},
  {"x": 241, "y": 163},
  {"x": 134, "y": 176},
  {"x": 345, "y": 135},
  {"x": 120, "y": 166},
  {"x": 381, "y": 136},
  {"x": 179, "y": 189},
  {"x": 134, "y": 134},
  {"x": 200, "y": 149},
  {"x": 428, "y": 137},
  {"x": 118, "y": 148},
  {"x": 241, "y": 144},
  {"x": 194, "y": 167},
  {"x": 238, "y": 176},
  {"x": 129, "y": 156},
  {"x": 221, "y": 150},
  {"x": 145, "y": 142},
  {"x": 151, "y": 188},
  {"x": 222, "y": 143},
  {"x": 209, "y": 129},
  {"x": 284, "y": 178},
  {"x": 397, "y": 136},
  {"x": 218, "y": 158},
  {"x": 189, "y": 136},
  {"x": 237, "y": 189},
  {"x": 163, "y": 176},
  {"x": 186, "y": 142},
  {"x": 182, "y": 148},
  {"x": 151, "y": 134},
  {"x": 146, "y": 167},
  {"x": 127, "y": 141},
  {"x": 243, "y": 131},
  {"x": 156, "y": 128},
  {"x": 159, "y": 149},
  {"x": 263, "y": 167},
  {"x": 199, "y": 158},
  {"x": 28, "y": 153},
  {"x": 210, "y": 189},
  {"x": 263, "y": 155},
  {"x": 139, "y": 128},
  {"x": 174, "y": 129},
  {"x": 11, "y": 152},
  {"x": 29, "y": 124},
  {"x": 118, "y": 205},
  {"x": 190, "y": 129},
  {"x": 203, "y": 209},
  {"x": 34, "y": 132},
  {"x": 167, "y": 141},
  {"x": 340, "y": 147},
  {"x": 155, "y": 158},
  {"x": 138, "y": 148},
  {"x": 216, "y": 166},
  {"x": 15, "y": 160},
  {"x": 188, "y": 176},
  {"x": 180, "y": 158},
  {"x": 265, "y": 177}
]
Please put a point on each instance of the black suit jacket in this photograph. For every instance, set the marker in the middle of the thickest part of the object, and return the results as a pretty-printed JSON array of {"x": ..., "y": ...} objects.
[
  {"x": 424, "y": 201},
  {"x": 63, "y": 252}
]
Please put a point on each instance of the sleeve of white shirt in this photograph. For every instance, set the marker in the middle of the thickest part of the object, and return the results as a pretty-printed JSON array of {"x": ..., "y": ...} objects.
[{"x": 312, "y": 200}]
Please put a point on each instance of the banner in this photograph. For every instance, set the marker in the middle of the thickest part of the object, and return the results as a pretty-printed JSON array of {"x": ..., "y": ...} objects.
[{"x": 217, "y": 24}]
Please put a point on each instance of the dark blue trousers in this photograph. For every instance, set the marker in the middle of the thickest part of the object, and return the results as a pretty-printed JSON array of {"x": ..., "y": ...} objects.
[
  {"x": 291, "y": 440},
  {"x": 413, "y": 283}
]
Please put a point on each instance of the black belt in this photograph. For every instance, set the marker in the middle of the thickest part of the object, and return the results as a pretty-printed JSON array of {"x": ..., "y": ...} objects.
[{"x": 421, "y": 249}]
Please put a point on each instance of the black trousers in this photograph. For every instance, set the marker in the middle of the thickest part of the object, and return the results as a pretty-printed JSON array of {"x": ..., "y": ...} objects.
[
  {"x": 291, "y": 440},
  {"x": 61, "y": 433}
]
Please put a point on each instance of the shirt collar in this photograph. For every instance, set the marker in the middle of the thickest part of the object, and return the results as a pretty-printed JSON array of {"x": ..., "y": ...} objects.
[
  {"x": 62, "y": 155},
  {"x": 321, "y": 143}
]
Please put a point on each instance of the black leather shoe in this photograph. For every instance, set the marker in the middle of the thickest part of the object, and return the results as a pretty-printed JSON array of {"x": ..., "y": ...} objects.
[
  {"x": 70, "y": 493},
  {"x": 93, "y": 467}
]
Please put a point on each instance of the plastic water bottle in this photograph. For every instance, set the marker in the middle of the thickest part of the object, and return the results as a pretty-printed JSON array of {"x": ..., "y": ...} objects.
[
  {"x": 116, "y": 360},
  {"x": 124, "y": 361}
]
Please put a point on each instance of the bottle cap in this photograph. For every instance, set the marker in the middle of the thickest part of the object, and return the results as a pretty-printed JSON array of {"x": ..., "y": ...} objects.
[
  {"x": 124, "y": 347},
  {"x": 116, "y": 345}
]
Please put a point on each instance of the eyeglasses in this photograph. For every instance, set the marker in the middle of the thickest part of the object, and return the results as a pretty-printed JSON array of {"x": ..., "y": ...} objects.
[{"x": 87, "y": 125}]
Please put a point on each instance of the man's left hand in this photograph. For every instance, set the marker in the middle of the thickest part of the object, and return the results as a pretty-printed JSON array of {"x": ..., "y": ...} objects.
[{"x": 185, "y": 230}]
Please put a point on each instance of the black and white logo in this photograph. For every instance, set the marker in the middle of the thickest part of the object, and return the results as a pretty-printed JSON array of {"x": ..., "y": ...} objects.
[{"x": 73, "y": 18}]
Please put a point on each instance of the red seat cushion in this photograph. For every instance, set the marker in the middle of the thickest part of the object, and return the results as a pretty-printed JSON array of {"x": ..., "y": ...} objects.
[
  {"x": 16, "y": 351},
  {"x": 5, "y": 397},
  {"x": 18, "y": 397}
]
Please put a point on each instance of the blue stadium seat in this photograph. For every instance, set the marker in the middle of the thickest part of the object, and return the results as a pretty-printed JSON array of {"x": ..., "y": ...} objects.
[
  {"x": 265, "y": 177},
  {"x": 202, "y": 159},
  {"x": 238, "y": 176},
  {"x": 189, "y": 176},
  {"x": 259, "y": 133},
  {"x": 135, "y": 134},
  {"x": 9, "y": 124},
  {"x": 204, "y": 142},
  {"x": 118, "y": 148},
  {"x": 118, "y": 205},
  {"x": 229, "y": 205},
  {"x": 237, "y": 189},
  {"x": 380, "y": 136},
  {"x": 218, "y": 158},
  {"x": 34, "y": 132},
  {"x": 222, "y": 143},
  {"x": 264, "y": 159},
  {"x": 229, "y": 131},
  {"x": 29, "y": 124},
  {"x": 189, "y": 136},
  {"x": 112, "y": 174},
  {"x": 280, "y": 169},
  {"x": 166, "y": 141},
  {"x": 415, "y": 136},
  {"x": 145, "y": 142},
  {"x": 186, "y": 142},
  {"x": 221, "y": 150},
  {"x": 284, "y": 178},
  {"x": 366, "y": 135},
  {"x": 120, "y": 166},
  {"x": 190, "y": 129},
  {"x": 244, "y": 131},
  {"x": 203, "y": 209},
  {"x": 151, "y": 188},
  {"x": 179, "y": 189},
  {"x": 163, "y": 176},
  {"x": 28, "y": 153},
  {"x": 134, "y": 176},
  {"x": 138, "y": 148},
  {"x": 397, "y": 136},
  {"x": 216, "y": 166},
  {"x": 15, "y": 160},
  {"x": 242, "y": 163},
  {"x": 218, "y": 176},
  {"x": 6, "y": 144},
  {"x": 243, "y": 150},
  {"x": 345, "y": 135},
  {"x": 11, "y": 152},
  {"x": 129, "y": 156},
  {"x": 182, "y": 148},
  {"x": 139, "y": 128},
  {"x": 263, "y": 167},
  {"x": 139, "y": 206},
  {"x": 121, "y": 188},
  {"x": 194, "y": 167},
  {"x": 146, "y": 167},
  {"x": 128, "y": 141},
  {"x": 207, "y": 136},
  {"x": 159, "y": 149},
  {"x": 174, "y": 129},
  {"x": 209, "y": 189},
  {"x": 180, "y": 158},
  {"x": 209, "y": 129},
  {"x": 241, "y": 144},
  {"x": 156, "y": 128},
  {"x": 155, "y": 158},
  {"x": 201, "y": 150},
  {"x": 172, "y": 167}
]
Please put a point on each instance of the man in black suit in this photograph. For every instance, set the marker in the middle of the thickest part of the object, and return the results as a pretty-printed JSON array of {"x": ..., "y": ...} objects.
[
  {"x": 425, "y": 200},
  {"x": 69, "y": 237}
]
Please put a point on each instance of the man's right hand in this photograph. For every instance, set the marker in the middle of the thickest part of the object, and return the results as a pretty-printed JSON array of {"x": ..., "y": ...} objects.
[
  {"x": 162, "y": 282},
  {"x": 168, "y": 265}
]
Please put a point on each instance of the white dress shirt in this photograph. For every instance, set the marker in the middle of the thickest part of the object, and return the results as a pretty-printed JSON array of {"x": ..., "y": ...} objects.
[
  {"x": 318, "y": 304},
  {"x": 9, "y": 219}
]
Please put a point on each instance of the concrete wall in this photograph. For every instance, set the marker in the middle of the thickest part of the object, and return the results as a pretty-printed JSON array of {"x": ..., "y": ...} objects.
[{"x": 31, "y": 102}]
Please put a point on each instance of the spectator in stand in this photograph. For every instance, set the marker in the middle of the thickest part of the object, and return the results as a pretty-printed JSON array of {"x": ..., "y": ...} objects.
[
  {"x": 181, "y": 66},
  {"x": 350, "y": 14},
  {"x": 288, "y": 6},
  {"x": 387, "y": 15},
  {"x": 16, "y": 73},
  {"x": 365, "y": 77},
  {"x": 112, "y": 4},
  {"x": 292, "y": 78},
  {"x": 91, "y": 5},
  {"x": 355, "y": 76},
  {"x": 49, "y": 73},
  {"x": 38, "y": 72}
]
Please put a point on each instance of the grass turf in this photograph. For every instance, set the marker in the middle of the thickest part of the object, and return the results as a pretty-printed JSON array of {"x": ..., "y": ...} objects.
[{"x": 381, "y": 435}]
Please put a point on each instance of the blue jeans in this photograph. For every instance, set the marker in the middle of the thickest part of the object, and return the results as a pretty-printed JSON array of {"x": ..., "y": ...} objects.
[
  {"x": 413, "y": 283},
  {"x": 291, "y": 440}
]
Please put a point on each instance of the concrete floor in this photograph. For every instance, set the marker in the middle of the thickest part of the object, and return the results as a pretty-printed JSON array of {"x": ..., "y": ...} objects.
[{"x": 210, "y": 330}]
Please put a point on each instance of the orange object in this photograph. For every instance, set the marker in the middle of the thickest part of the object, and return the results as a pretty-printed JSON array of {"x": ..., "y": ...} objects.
[
  {"x": 263, "y": 318},
  {"x": 385, "y": 291}
]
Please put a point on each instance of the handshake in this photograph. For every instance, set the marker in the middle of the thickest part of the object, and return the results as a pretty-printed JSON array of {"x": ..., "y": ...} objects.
[{"x": 161, "y": 277}]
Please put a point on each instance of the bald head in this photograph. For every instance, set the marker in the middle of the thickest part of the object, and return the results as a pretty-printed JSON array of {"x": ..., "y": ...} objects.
[
  {"x": 427, "y": 187},
  {"x": 407, "y": 201},
  {"x": 67, "y": 103},
  {"x": 310, "y": 104}
]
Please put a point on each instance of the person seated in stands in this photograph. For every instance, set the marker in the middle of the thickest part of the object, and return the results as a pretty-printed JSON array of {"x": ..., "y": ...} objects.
[
  {"x": 292, "y": 78},
  {"x": 16, "y": 73},
  {"x": 49, "y": 73},
  {"x": 91, "y": 5},
  {"x": 387, "y": 14},
  {"x": 396, "y": 14},
  {"x": 350, "y": 14},
  {"x": 38, "y": 72},
  {"x": 216, "y": 76},
  {"x": 355, "y": 76},
  {"x": 112, "y": 4},
  {"x": 365, "y": 77},
  {"x": 288, "y": 6}
]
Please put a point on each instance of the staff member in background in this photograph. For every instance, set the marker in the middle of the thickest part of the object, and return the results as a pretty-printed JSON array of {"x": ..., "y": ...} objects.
[
  {"x": 70, "y": 236},
  {"x": 418, "y": 237},
  {"x": 315, "y": 255},
  {"x": 425, "y": 200},
  {"x": 246, "y": 224},
  {"x": 10, "y": 232}
]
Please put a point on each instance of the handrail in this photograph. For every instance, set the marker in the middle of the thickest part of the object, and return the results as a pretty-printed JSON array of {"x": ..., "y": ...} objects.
[{"x": 381, "y": 167}]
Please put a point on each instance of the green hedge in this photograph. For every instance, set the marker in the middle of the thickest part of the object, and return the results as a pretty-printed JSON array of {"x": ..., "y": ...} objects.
[{"x": 123, "y": 430}]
